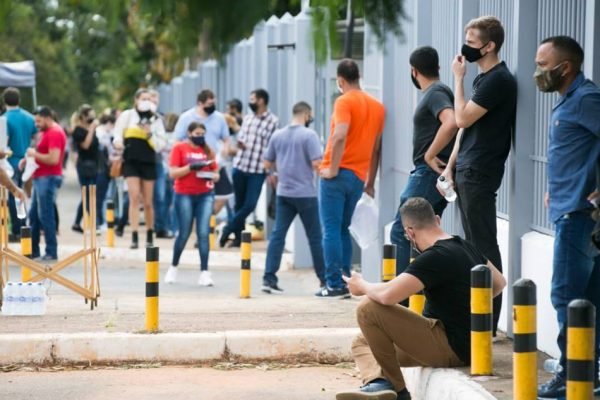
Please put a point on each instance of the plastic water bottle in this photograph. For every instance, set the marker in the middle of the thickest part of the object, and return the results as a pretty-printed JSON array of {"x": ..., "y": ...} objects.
[
  {"x": 21, "y": 209},
  {"x": 39, "y": 299},
  {"x": 449, "y": 193},
  {"x": 552, "y": 366},
  {"x": 8, "y": 299},
  {"x": 20, "y": 300},
  {"x": 28, "y": 293}
]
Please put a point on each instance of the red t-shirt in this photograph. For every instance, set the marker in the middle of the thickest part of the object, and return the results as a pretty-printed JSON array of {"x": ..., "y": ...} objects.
[
  {"x": 52, "y": 138},
  {"x": 183, "y": 154}
]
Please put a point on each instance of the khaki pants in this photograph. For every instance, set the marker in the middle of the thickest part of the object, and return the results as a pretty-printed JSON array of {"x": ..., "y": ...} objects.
[{"x": 394, "y": 337}]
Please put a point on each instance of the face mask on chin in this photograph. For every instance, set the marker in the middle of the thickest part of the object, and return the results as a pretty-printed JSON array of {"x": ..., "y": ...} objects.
[
  {"x": 548, "y": 80},
  {"x": 472, "y": 54}
]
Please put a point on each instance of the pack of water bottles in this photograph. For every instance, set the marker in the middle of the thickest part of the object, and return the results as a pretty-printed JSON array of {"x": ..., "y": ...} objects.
[{"x": 24, "y": 298}]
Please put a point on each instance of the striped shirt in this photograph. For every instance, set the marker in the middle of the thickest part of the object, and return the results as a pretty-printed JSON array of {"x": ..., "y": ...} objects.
[{"x": 255, "y": 134}]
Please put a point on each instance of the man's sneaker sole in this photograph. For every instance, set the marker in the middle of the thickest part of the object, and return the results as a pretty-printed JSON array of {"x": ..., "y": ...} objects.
[
  {"x": 358, "y": 395},
  {"x": 270, "y": 290}
]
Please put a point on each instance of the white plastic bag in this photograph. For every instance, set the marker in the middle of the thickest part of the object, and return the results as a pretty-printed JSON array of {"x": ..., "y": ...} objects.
[{"x": 364, "y": 224}]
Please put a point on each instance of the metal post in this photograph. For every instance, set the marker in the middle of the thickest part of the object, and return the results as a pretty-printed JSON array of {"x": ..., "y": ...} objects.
[
  {"x": 212, "y": 240},
  {"x": 525, "y": 340},
  {"x": 152, "y": 289},
  {"x": 416, "y": 302},
  {"x": 580, "y": 350},
  {"x": 246, "y": 252},
  {"x": 110, "y": 223},
  {"x": 388, "y": 264},
  {"x": 481, "y": 320},
  {"x": 26, "y": 252}
]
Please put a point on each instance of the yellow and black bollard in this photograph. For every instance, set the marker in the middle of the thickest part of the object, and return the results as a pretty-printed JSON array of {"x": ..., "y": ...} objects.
[
  {"x": 525, "y": 340},
  {"x": 110, "y": 223},
  {"x": 152, "y": 289},
  {"x": 245, "y": 278},
  {"x": 416, "y": 302},
  {"x": 580, "y": 350},
  {"x": 388, "y": 264},
  {"x": 212, "y": 239},
  {"x": 25, "y": 251},
  {"x": 481, "y": 320}
]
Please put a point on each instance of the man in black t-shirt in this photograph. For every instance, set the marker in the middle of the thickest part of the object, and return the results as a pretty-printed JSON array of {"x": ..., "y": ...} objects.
[
  {"x": 433, "y": 139},
  {"x": 487, "y": 122},
  {"x": 392, "y": 335}
]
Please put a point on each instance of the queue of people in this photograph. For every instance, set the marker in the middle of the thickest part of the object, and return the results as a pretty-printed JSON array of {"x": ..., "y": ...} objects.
[{"x": 205, "y": 160}]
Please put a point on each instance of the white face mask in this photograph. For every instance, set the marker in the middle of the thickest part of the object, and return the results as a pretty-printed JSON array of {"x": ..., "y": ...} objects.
[
  {"x": 153, "y": 107},
  {"x": 339, "y": 88},
  {"x": 144, "y": 105}
]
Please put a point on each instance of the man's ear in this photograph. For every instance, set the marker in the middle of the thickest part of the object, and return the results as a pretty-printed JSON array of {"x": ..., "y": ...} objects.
[
  {"x": 491, "y": 46},
  {"x": 438, "y": 220}
]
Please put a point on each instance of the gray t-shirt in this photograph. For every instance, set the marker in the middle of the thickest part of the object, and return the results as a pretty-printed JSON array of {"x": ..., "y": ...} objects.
[
  {"x": 293, "y": 148},
  {"x": 437, "y": 97}
]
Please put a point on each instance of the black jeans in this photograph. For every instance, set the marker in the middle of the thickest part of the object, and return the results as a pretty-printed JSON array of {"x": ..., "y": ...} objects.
[{"x": 476, "y": 191}]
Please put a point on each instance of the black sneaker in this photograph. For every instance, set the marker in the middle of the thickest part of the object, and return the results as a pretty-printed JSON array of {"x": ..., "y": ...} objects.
[
  {"x": 553, "y": 389},
  {"x": 234, "y": 243},
  {"x": 271, "y": 288},
  {"x": 76, "y": 228},
  {"x": 164, "y": 235},
  {"x": 341, "y": 293}
]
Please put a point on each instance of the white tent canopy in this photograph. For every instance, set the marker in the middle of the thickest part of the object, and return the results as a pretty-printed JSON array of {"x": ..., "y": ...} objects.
[{"x": 18, "y": 74}]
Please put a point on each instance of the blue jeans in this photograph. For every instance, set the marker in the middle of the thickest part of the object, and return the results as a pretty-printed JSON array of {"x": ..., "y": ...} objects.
[
  {"x": 102, "y": 182},
  {"x": 189, "y": 207},
  {"x": 161, "y": 221},
  {"x": 337, "y": 200},
  {"x": 42, "y": 214},
  {"x": 421, "y": 183},
  {"x": 576, "y": 273},
  {"x": 285, "y": 211},
  {"x": 15, "y": 222},
  {"x": 246, "y": 188}
]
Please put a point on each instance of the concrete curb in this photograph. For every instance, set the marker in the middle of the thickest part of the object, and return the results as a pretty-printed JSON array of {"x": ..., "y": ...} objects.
[{"x": 317, "y": 345}]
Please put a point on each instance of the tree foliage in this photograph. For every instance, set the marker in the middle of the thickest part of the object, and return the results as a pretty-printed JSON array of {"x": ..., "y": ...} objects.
[{"x": 101, "y": 51}]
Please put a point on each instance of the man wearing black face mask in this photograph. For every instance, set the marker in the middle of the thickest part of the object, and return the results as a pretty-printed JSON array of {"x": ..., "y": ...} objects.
[
  {"x": 482, "y": 146},
  {"x": 433, "y": 139},
  {"x": 217, "y": 138},
  {"x": 248, "y": 169},
  {"x": 573, "y": 155},
  {"x": 295, "y": 152}
]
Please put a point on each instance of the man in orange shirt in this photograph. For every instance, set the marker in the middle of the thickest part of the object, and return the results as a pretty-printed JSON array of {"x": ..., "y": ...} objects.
[{"x": 349, "y": 166}]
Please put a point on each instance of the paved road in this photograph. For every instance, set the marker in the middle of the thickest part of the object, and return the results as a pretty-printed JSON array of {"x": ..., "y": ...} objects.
[{"x": 179, "y": 383}]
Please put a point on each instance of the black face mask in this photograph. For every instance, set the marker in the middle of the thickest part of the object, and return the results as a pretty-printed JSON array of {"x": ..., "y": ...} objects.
[
  {"x": 145, "y": 115},
  {"x": 472, "y": 54},
  {"x": 415, "y": 81},
  {"x": 90, "y": 120},
  {"x": 310, "y": 121},
  {"x": 210, "y": 109},
  {"x": 198, "y": 140},
  {"x": 253, "y": 107}
]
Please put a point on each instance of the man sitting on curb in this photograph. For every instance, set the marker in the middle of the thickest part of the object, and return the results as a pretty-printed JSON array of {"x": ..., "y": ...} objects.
[{"x": 392, "y": 335}]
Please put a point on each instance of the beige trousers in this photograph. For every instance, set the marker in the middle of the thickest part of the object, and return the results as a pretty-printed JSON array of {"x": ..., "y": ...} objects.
[{"x": 394, "y": 337}]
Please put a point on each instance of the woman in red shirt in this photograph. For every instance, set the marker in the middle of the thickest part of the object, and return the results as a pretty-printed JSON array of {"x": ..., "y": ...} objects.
[{"x": 193, "y": 167}]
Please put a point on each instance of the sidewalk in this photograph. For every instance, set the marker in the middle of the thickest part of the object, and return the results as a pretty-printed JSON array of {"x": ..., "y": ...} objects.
[{"x": 207, "y": 325}]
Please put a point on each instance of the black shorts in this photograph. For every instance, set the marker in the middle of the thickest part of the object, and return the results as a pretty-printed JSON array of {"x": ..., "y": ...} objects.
[
  {"x": 144, "y": 171},
  {"x": 223, "y": 188}
]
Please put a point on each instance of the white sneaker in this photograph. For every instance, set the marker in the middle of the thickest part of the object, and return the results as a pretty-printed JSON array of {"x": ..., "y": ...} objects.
[
  {"x": 171, "y": 276},
  {"x": 205, "y": 279},
  {"x": 30, "y": 167}
]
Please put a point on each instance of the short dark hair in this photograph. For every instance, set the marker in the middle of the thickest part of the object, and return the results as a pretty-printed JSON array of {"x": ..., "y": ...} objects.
[
  {"x": 107, "y": 118},
  {"x": 44, "y": 111},
  {"x": 490, "y": 30},
  {"x": 261, "y": 94},
  {"x": 301, "y": 107},
  {"x": 348, "y": 69},
  {"x": 568, "y": 48},
  {"x": 235, "y": 103},
  {"x": 426, "y": 61},
  {"x": 205, "y": 95},
  {"x": 418, "y": 213},
  {"x": 11, "y": 96}
]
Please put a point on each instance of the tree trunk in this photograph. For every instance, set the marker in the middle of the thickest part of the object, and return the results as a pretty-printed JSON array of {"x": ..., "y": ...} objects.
[{"x": 349, "y": 31}]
